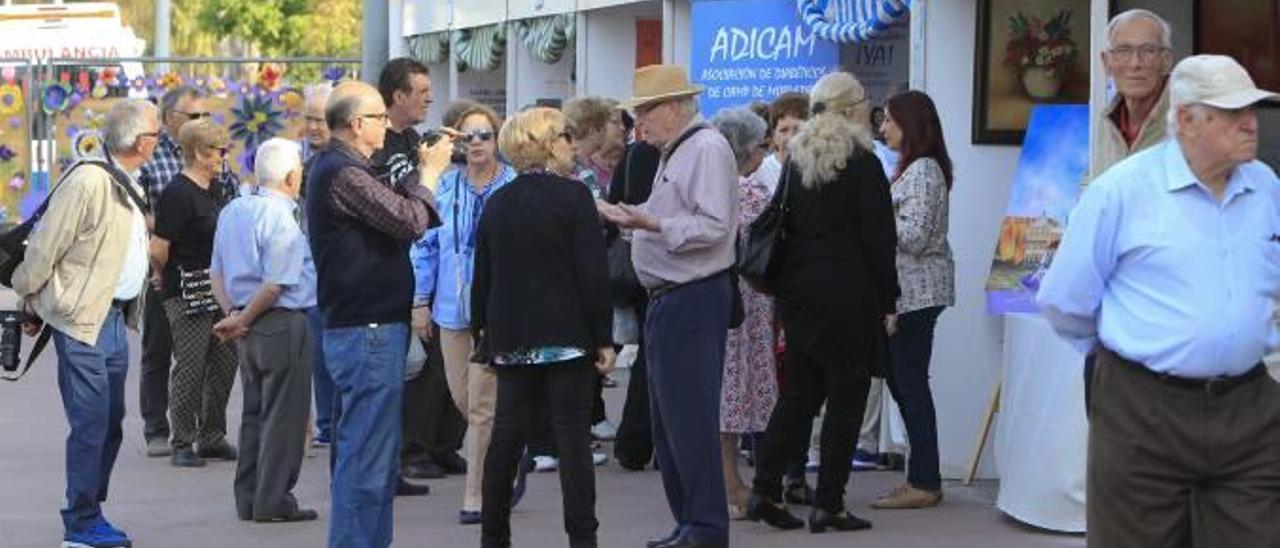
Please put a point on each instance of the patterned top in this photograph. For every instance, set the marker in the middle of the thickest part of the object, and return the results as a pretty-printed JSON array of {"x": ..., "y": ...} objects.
[
  {"x": 167, "y": 163},
  {"x": 540, "y": 356},
  {"x": 926, "y": 272}
]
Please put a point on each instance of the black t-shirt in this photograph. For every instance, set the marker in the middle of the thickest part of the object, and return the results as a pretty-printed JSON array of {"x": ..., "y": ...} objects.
[
  {"x": 397, "y": 160},
  {"x": 187, "y": 216}
]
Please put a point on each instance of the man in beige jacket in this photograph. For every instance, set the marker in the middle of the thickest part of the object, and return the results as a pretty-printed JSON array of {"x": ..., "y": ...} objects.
[
  {"x": 1138, "y": 59},
  {"x": 83, "y": 274}
]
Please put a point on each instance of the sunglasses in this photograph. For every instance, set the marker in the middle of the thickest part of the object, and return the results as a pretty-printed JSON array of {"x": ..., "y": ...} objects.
[
  {"x": 194, "y": 115},
  {"x": 383, "y": 117},
  {"x": 483, "y": 135},
  {"x": 222, "y": 151}
]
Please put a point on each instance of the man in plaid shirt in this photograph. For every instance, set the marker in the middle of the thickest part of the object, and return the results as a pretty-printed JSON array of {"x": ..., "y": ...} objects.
[{"x": 178, "y": 106}]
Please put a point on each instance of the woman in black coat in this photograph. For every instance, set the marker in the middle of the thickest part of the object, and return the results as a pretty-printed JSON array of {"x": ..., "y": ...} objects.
[
  {"x": 541, "y": 316},
  {"x": 836, "y": 285}
]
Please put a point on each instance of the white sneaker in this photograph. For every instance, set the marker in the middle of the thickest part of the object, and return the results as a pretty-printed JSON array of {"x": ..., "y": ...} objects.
[
  {"x": 604, "y": 431},
  {"x": 544, "y": 463},
  {"x": 598, "y": 458}
]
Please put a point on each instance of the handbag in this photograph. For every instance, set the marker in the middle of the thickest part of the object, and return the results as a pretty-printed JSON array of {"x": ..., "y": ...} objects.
[
  {"x": 13, "y": 242},
  {"x": 758, "y": 253},
  {"x": 196, "y": 290}
]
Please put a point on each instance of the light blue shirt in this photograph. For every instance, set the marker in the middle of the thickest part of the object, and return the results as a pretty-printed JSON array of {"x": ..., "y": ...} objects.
[
  {"x": 443, "y": 258},
  {"x": 1161, "y": 272},
  {"x": 258, "y": 241}
]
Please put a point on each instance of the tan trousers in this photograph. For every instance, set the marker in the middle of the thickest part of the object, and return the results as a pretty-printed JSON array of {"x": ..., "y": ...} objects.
[
  {"x": 1159, "y": 454},
  {"x": 474, "y": 388}
]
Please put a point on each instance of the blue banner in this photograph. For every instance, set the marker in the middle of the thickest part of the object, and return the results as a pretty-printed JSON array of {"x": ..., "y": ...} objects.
[{"x": 754, "y": 50}]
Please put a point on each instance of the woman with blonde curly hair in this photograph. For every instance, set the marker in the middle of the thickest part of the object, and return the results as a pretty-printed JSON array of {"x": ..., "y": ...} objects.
[{"x": 836, "y": 288}]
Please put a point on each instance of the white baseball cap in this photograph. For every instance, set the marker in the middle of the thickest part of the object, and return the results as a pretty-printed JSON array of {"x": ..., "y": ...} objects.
[{"x": 1219, "y": 81}]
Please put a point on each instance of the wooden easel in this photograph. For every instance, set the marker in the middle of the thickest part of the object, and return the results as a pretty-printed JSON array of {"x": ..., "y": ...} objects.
[{"x": 992, "y": 407}]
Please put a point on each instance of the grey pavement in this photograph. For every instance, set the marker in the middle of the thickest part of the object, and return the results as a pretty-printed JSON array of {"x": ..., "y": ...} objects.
[{"x": 163, "y": 506}]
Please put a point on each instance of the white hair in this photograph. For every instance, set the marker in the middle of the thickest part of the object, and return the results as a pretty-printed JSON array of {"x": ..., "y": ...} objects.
[
  {"x": 839, "y": 127},
  {"x": 1166, "y": 32},
  {"x": 274, "y": 160},
  {"x": 743, "y": 129},
  {"x": 124, "y": 122}
]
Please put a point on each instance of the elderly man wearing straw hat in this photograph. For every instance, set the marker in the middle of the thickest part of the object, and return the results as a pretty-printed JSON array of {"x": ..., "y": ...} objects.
[{"x": 682, "y": 249}]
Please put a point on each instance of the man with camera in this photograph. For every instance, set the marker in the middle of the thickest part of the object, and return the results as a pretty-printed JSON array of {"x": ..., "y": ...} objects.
[
  {"x": 360, "y": 230},
  {"x": 432, "y": 427},
  {"x": 83, "y": 273}
]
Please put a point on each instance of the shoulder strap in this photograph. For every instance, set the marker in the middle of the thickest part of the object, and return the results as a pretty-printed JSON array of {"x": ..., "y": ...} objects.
[
  {"x": 680, "y": 141},
  {"x": 122, "y": 180},
  {"x": 42, "y": 340},
  {"x": 626, "y": 174}
]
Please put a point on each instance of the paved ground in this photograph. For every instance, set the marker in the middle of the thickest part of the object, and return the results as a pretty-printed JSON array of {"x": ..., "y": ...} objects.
[{"x": 163, "y": 506}]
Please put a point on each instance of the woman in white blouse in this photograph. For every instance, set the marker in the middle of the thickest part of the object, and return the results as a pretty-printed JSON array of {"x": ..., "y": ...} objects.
[{"x": 926, "y": 275}]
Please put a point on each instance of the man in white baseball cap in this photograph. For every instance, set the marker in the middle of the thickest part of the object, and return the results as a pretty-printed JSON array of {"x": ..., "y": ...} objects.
[{"x": 1169, "y": 271}]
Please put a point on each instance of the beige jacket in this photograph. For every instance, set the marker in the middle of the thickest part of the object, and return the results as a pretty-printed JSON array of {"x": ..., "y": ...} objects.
[
  {"x": 76, "y": 253},
  {"x": 1111, "y": 145}
]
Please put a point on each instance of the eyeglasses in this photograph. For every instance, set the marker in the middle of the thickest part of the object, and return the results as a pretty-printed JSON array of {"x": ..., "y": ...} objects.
[
  {"x": 1145, "y": 53},
  {"x": 222, "y": 151},
  {"x": 314, "y": 119},
  {"x": 483, "y": 135},
  {"x": 151, "y": 134},
  {"x": 194, "y": 115},
  {"x": 383, "y": 117}
]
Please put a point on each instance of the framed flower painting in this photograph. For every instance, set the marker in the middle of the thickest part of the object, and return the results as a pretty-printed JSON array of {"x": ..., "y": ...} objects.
[{"x": 1030, "y": 52}]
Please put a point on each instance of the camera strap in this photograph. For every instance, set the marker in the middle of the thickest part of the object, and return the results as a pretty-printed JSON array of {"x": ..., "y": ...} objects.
[{"x": 42, "y": 340}]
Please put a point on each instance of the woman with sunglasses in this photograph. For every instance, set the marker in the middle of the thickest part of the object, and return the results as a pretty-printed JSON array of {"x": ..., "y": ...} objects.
[
  {"x": 442, "y": 262},
  {"x": 186, "y": 218}
]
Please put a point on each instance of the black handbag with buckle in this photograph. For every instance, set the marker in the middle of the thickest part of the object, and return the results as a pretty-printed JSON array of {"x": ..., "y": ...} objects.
[{"x": 758, "y": 253}]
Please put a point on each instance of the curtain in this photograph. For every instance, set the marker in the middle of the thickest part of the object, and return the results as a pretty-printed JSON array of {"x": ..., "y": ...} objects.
[
  {"x": 548, "y": 37},
  {"x": 480, "y": 48},
  {"x": 431, "y": 48}
]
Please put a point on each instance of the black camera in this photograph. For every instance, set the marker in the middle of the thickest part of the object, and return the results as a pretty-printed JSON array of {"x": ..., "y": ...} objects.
[
  {"x": 433, "y": 136},
  {"x": 10, "y": 339}
]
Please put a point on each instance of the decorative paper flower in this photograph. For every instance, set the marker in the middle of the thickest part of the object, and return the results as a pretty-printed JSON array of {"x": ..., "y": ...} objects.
[
  {"x": 99, "y": 90},
  {"x": 139, "y": 84},
  {"x": 55, "y": 97},
  {"x": 247, "y": 159},
  {"x": 335, "y": 73},
  {"x": 74, "y": 100},
  {"x": 8, "y": 74},
  {"x": 245, "y": 89},
  {"x": 109, "y": 77},
  {"x": 292, "y": 100},
  {"x": 10, "y": 99},
  {"x": 72, "y": 131},
  {"x": 18, "y": 181},
  {"x": 170, "y": 81},
  {"x": 7, "y": 154},
  {"x": 217, "y": 87},
  {"x": 82, "y": 81},
  {"x": 270, "y": 75},
  {"x": 200, "y": 82},
  {"x": 87, "y": 144},
  {"x": 15, "y": 122},
  {"x": 256, "y": 120}
]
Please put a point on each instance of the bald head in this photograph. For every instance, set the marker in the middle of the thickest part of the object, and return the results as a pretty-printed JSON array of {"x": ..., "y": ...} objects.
[{"x": 357, "y": 116}]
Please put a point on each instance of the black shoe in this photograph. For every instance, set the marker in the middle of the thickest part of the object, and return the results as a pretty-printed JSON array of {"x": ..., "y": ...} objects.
[
  {"x": 451, "y": 463},
  {"x": 663, "y": 541},
  {"x": 522, "y": 478},
  {"x": 820, "y": 520},
  {"x": 186, "y": 458},
  {"x": 406, "y": 489},
  {"x": 761, "y": 509},
  {"x": 467, "y": 517},
  {"x": 798, "y": 493},
  {"x": 298, "y": 514},
  {"x": 217, "y": 451},
  {"x": 892, "y": 461},
  {"x": 422, "y": 470},
  {"x": 634, "y": 465}
]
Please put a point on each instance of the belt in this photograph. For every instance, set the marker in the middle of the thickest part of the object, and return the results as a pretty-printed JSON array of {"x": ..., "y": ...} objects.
[
  {"x": 663, "y": 290},
  {"x": 1212, "y": 385}
]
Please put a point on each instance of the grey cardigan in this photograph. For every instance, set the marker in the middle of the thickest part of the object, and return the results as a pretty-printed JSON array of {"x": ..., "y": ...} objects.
[{"x": 926, "y": 272}]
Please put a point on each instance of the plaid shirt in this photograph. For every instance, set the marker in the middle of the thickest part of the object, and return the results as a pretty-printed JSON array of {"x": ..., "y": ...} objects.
[{"x": 167, "y": 163}]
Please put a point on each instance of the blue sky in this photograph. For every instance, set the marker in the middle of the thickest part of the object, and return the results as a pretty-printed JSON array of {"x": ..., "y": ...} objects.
[{"x": 1054, "y": 161}]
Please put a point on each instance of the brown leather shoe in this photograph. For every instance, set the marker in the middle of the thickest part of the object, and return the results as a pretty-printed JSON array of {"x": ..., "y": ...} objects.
[{"x": 906, "y": 497}]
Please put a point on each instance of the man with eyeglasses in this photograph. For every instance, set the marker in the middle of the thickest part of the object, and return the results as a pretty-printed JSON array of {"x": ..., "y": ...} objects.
[
  {"x": 360, "y": 230},
  {"x": 178, "y": 106},
  {"x": 1138, "y": 59}
]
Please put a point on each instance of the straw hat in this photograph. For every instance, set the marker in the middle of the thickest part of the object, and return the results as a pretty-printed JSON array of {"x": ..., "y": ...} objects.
[{"x": 660, "y": 83}]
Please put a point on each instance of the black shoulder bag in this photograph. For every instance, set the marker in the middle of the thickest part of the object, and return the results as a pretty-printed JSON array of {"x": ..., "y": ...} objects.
[
  {"x": 758, "y": 253},
  {"x": 13, "y": 249}
]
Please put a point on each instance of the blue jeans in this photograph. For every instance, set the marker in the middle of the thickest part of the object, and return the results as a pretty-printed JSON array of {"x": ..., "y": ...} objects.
[
  {"x": 321, "y": 381},
  {"x": 910, "y": 351},
  {"x": 367, "y": 364},
  {"x": 91, "y": 380}
]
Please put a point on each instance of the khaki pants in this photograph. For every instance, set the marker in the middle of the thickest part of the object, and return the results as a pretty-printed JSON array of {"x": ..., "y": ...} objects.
[
  {"x": 474, "y": 388},
  {"x": 1159, "y": 453}
]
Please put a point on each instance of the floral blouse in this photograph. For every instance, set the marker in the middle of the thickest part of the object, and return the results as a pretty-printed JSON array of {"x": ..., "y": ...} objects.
[{"x": 926, "y": 272}]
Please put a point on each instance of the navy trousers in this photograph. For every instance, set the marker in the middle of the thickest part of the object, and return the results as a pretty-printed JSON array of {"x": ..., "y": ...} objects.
[{"x": 685, "y": 333}]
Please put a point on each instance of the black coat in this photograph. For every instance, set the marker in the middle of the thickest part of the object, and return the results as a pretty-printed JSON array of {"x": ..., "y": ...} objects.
[
  {"x": 540, "y": 276},
  {"x": 837, "y": 276}
]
